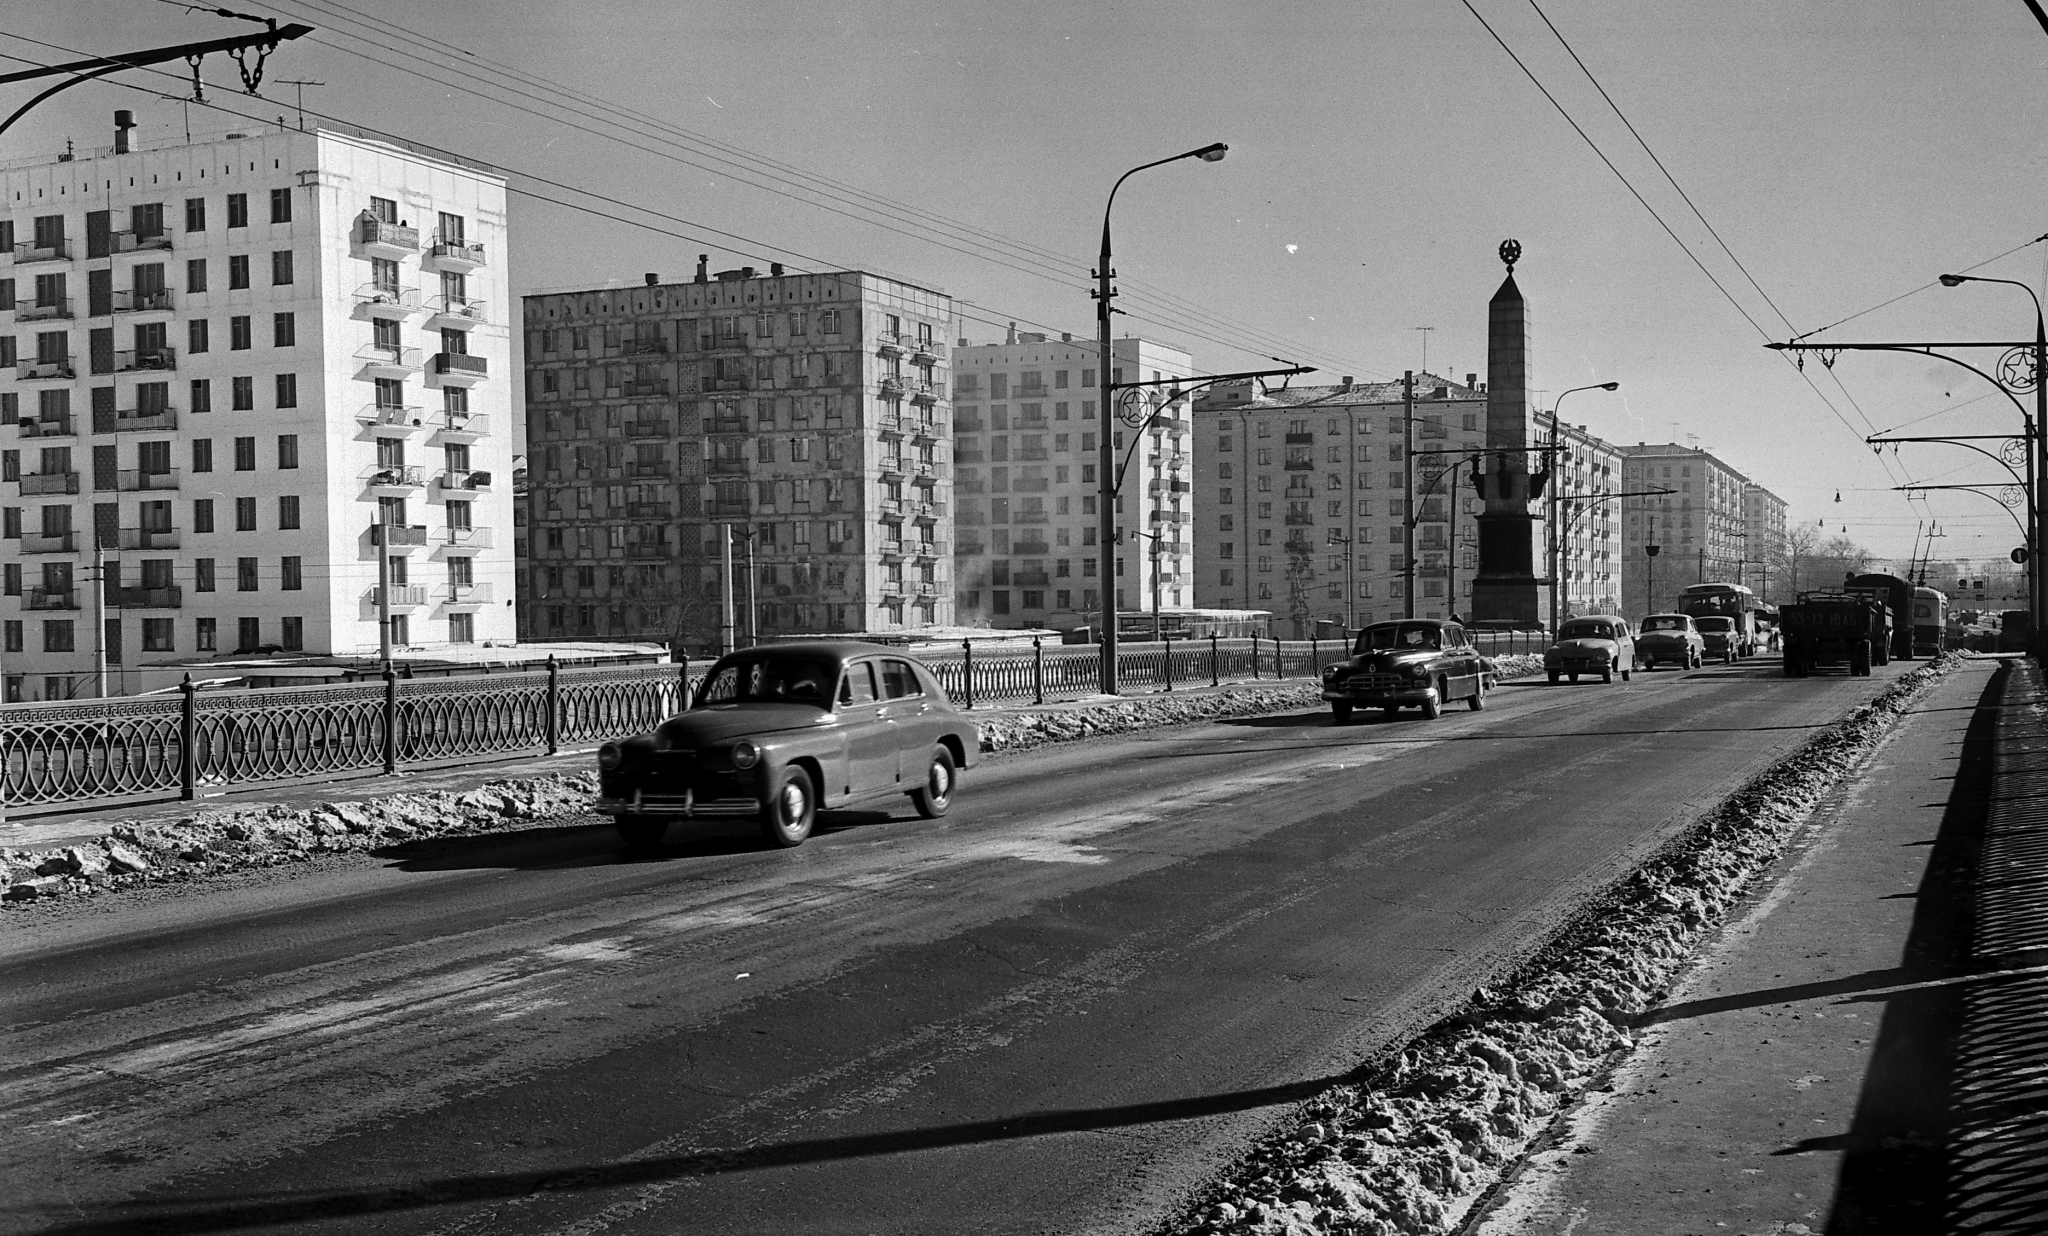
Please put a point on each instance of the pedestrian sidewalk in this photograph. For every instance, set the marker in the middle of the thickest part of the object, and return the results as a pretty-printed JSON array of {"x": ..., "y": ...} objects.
[{"x": 1864, "y": 1048}]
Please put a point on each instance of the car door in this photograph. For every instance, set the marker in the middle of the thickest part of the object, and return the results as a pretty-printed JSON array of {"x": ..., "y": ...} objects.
[
  {"x": 911, "y": 711},
  {"x": 870, "y": 731},
  {"x": 1463, "y": 663}
]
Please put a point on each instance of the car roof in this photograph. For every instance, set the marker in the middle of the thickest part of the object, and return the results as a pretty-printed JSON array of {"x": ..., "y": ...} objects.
[
  {"x": 1597, "y": 618},
  {"x": 1647, "y": 617},
  {"x": 1412, "y": 622},
  {"x": 828, "y": 649}
]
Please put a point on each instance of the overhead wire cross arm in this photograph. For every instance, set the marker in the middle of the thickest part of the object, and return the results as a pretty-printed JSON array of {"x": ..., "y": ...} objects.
[{"x": 99, "y": 66}]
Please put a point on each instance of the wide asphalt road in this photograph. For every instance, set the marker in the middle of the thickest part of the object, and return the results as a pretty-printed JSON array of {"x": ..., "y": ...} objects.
[{"x": 1057, "y": 1010}]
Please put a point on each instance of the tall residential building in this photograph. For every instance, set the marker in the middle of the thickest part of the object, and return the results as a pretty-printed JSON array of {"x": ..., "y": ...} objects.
[
  {"x": 227, "y": 360},
  {"x": 806, "y": 413},
  {"x": 1699, "y": 527},
  {"x": 1027, "y": 435},
  {"x": 1585, "y": 504},
  {"x": 1763, "y": 546}
]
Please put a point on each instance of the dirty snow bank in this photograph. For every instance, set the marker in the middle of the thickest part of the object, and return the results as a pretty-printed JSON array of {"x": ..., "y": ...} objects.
[{"x": 1409, "y": 1147}]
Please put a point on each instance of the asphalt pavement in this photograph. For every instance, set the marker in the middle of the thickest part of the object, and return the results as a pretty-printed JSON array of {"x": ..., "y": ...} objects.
[{"x": 1059, "y": 1009}]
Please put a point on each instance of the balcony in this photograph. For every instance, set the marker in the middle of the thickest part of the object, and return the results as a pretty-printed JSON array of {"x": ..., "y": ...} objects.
[
  {"x": 962, "y": 423},
  {"x": 49, "y": 483},
  {"x": 929, "y": 590},
  {"x": 51, "y": 598},
  {"x": 649, "y": 467},
  {"x": 1030, "y": 485},
  {"x": 926, "y": 429},
  {"x": 927, "y": 350},
  {"x": 37, "y": 370},
  {"x": 141, "y": 242},
  {"x": 924, "y": 396},
  {"x": 386, "y": 239},
  {"x": 136, "y": 479},
  {"x": 893, "y": 465},
  {"x": 1292, "y": 465},
  {"x": 889, "y": 386},
  {"x": 461, "y": 367},
  {"x": 53, "y": 427},
  {"x": 728, "y": 383},
  {"x": 928, "y": 549},
  {"x": 729, "y": 508},
  {"x": 467, "y": 538},
  {"x": 971, "y": 549},
  {"x": 381, "y": 361},
  {"x": 405, "y": 415},
  {"x": 652, "y": 388},
  {"x": 465, "y": 482},
  {"x": 1030, "y": 517},
  {"x": 1301, "y": 439},
  {"x": 889, "y": 549},
  {"x": 1031, "y": 549},
  {"x": 1033, "y": 454},
  {"x": 719, "y": 465},
  {"x": 143, "y": 300},
  {"x": 398, "y": 478},
  {"x": 645, "y": 429},
  {"x": 1181, "y": 517},
  {"x": 889, "y": 344},
  {"x": 398, "y": 534},
  {"x": 387, "y": 301},
  {"x": 42, "y": 310},
  {"x": 1031, "y": 579},
  {"x": 147, "y": 538},
  {"x": 403, "y": 596},
  {"x": 725, "y": 424},
  {"x": 172, "y": 597},
  {"x": 657, "y": 550},
  {"x": 460, "y": 427},
  {"x": 457, "y": 255},
  {"x": 649, "y": 510},
  {"x": 649, "y": 346},
  {"x": 51, "y": 543},
  {"x": 146, "y": 360},
  {"x": 1293, "y": 520},
  {"x": 890, "y": 423},
  {"x": 134, "y": 420},
  {"x": 458, "y": 312},
  {"x": 480, "y": 594},
  {"x": 60, "y": 251},
  {"x": 926, "y": 472}
]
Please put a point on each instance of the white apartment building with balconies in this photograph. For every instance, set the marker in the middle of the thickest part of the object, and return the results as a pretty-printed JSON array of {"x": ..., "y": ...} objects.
[{"x": 222, "y": 363}]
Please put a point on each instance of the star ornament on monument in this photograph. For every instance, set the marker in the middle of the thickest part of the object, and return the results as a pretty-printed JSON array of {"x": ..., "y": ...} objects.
[{"x": 1511, "y": 252}]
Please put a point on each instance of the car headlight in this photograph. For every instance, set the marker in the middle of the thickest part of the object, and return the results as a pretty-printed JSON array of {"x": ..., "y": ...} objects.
[
  {"x": 1418, "y": 671},
  {"x": 610, "y": 756},
  {"x": 745, "y": 754}
]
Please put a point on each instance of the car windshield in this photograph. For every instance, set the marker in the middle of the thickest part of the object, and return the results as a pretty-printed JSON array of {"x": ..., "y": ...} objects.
[
  {"x": 770, "y": 679},
  {"x": 1666, "y": 622},
  {"x": 1587, "y": 630},
  {"x": 1722, "y": 625},
  {"x": 1398, "y": 635}
]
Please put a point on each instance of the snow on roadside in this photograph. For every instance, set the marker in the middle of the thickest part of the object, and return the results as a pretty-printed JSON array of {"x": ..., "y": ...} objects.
[{"x": 1409, "y": 1147}]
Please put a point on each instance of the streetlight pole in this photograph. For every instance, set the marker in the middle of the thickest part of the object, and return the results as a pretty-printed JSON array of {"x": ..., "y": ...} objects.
[
  {"x": 1550, "y": 507},
  {"x": 1105, "y": 446}
]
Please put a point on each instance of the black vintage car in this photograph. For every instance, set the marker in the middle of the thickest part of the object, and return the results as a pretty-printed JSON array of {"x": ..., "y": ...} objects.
[
  {"x": 781, "y": 731},
  {"x": 1413, "y": 663}
]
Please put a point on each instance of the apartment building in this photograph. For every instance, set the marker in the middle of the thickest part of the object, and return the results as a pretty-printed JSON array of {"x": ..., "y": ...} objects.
[
  {"x": 804, "y": 415},
  {"x": 1699, "y": 527},
  {"x": 1027, "y": 437},
  {"x": 226, "y": 362},
  {"x": 1587, "y": 511},
  {"x": 1763, "y": 544}
]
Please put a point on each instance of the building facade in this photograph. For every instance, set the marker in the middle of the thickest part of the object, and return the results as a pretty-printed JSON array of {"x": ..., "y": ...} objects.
[
  {"x": 226, "y": 363},
  {"x": 1700, "y": 527},
  {"x": 1763, "y": 522},
  {"x": 1585, "y": 510},
  {"x": 1027, "y": 434},
  {"x": 805, "y": 417}
]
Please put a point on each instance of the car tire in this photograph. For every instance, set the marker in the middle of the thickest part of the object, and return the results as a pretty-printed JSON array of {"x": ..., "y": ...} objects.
[
  {"x": 790, "y": 810},
  {"x": 1554, "y": 676},
  {"x": 641, "y": 833},
  {"x": 1340, "y": 711},
  {"x": 1433, "y": 707},
  {"x": 1477, "y": 700},
  {"x": 935, "y": 797},
  {"x": 1572, "y": 677},
  {"x": 1606, "y": 673}
]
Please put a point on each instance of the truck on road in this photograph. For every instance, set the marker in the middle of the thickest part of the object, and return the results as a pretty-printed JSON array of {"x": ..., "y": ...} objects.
[{"x": 1835, "y": 628}]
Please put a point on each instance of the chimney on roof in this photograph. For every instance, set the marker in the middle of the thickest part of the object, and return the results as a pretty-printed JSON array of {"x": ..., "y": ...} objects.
[
  {"x": 963, "y": 342},
  {"x": 775, "y": 270},
  {"x": 652, "y": 278},
  {"x": 124, "y": 120},
  {"x": 1472, "y": 381},
  {"x": 1347, "y": 381},
  {"x": 1066, "y": 336},
  {"x": 1013, "y": 334},
  {"x": 703, "y": 268}
]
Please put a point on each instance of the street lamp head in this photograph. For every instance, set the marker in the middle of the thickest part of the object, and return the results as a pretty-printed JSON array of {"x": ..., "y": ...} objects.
[
  {"x": 1951, "y": 281},
  {"x": 1212, "y": 154},
  {"x": 1610, "y": 386}
]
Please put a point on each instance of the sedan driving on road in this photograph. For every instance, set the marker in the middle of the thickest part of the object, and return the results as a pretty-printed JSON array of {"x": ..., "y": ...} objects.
[
  {"x": 1416, "y": 663},
  {"x": 1669, "y": 639},
  {"x": 1595, "y": 644},
  {"x": 782, "y": 731}
]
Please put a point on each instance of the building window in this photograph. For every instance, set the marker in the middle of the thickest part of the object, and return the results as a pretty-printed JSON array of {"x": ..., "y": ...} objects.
[
  {"x": 284, "y": 329},
  {"x": 195, "y": 275},
  {"x": 238, "y": 210},
  {"x": 57, "y": 635},
  {"x": 195, "y": 335},
  {"x": 289, "y": 572},
  {"x": 245, "y": 573},
  {"x": 245, "y": 454},
  {"x": 195, "y": 214},
  {"x": 13, "y": 644},
  {"x": 281, "y": 267},
  {"x": 287, "y": 450},
  {"x": 239, "y": 335},
  {"x": 249, "y": 634},
  {"x": 202, "y": 395},
  {"x": 157, "y": 635},
  {"x": 202, "y": 568},
  {"x": 462, "y": 628},
  {"x": 238, "y": 271},
  {"x": 280, "y": 205},
  {"x": 245, "y": 517},
  {"x": 287, "y": 390},
  {"x": 292, "y": 634}
]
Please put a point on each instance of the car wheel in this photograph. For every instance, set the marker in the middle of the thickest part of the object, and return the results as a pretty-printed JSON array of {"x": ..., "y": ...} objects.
[
  {"x": 790, "y": 809},
  {"x": 935, "y": 797},
  {"x": 641, "y": 832},
  {"x": 1606, "y": 673},
  {"x": 1572, "y": 677},
  {"x": 1554, "y": 676},
  {"x": 1433, "y": 707},
  {"x": 1477, "y": 700},
  {"x": 1340, "y": 710}
]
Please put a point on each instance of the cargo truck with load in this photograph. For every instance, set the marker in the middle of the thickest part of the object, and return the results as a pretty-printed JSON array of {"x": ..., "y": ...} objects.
[{"x": 1835, "y": 628}]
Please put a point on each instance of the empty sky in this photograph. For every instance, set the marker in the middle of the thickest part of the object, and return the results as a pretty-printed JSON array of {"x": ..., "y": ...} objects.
[{"x": 1847, "y": 151}]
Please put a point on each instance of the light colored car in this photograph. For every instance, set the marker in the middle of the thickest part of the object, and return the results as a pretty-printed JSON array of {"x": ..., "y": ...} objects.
[
  {"x": 1720, "y": 636},
  {"x": 1669, "y": 639},
  {"x": 1596, "y": 644}
]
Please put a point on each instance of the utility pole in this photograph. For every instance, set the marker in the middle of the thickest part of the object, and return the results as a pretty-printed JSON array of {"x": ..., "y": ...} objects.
[
  {"x": 380, "y": 537},
  {"x": 725, "y": 625},
  {"x": 1408, "y": 487},
  {"x": 99, "y": 617}
]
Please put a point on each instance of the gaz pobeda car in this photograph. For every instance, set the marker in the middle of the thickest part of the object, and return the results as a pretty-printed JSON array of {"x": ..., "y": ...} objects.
[
  {"x": 779, "y": 732},
  {"x": 1669, "y": 639},
  {"x": 1413, "y": 663},
  {"x": 1598, "y": 644}
]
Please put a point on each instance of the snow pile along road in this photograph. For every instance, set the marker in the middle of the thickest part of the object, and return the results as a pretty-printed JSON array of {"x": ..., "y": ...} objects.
[{"x": 1411, "y": 1145}]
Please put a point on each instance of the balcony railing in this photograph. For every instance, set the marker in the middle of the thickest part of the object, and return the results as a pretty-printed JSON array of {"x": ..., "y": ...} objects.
[
  {"x": 457, "y": 254},
  {"x": 49, "y": 483},
  {"x": 134, "y": 420},
  {"x": 143, "y": 300},
  {"x": 651, "y": 387},
  {"x": 58, "y": 252},
  {"x": 386, "y": 300},
  {"x": 728, "y": 508},
  {"x": 461, "y": 366},
  {"x": 172, "y": 597},
  {"x": 928, "y": 348},
  {"x": 480, "y": 594},
  {"x": 147, "y": 538},
  {"x": 60, "y": 367},
  {"x": 471, "y": 538},
  {"x": 889, "y": 386},
  {"x": 972, "y": 549},
  {"x": 145, "y": 359},
  {"x": 1031, "y": 579},
  {"x": 726, "y": 466},
  {"x": 139, "y": 242},
  {"x": 51, "y": 598},
  {"x": 403, "y": 596},
  {"x": 1031, "y": 549},
  {"x": 390, "y": 360},
  {"x": 650, "y": 346},
  {"x": 928, "y": 549},
  {"x": 398, "y": 534},
  {"x": 645, "y": 429},
  {"x": 49, "y": 543},
  {"x": 407, "y": 415},
  {"x": 42, "y": 310},
  {"x": 136, "y": 478},
  {"x": 649, "y": 467},
  {"x": 376, "y": 234},
  {"x": 1029, "y": 517},
  {"x": 649, "y": 510},
  {"x": 464, "y": 309},
  {"x": 462, "y": 426},
  {"x": 396, "y": 476},
  {"x": 51, "y": 427},
  {"x": 463, "y": 481},
  {"x": 1030, "y": 485}
]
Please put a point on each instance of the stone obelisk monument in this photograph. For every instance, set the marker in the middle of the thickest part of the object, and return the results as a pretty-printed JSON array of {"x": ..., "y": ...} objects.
[{"x": 1505, "y": 593}]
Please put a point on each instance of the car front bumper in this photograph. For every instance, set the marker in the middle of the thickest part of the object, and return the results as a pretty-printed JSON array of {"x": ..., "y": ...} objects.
[
  {"x": 687, "y": 806},
  {"x": 1380, "y": 697}
]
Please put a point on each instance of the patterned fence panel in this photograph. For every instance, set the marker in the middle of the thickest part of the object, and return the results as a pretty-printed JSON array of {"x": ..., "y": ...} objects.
[
  {"x": 285, "y": 733},
  {"x": 598, "y": 704},
  {"x": 89, "y": 749},
  {"x": 446, "y": 718}
]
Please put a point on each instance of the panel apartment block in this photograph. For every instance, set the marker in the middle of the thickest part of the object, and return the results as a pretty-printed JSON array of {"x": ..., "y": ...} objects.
[
  {"x": 224, "y": 361},
  {"x": 1700, "y": 528},
  {"x": 806, "y": 413},
  {"x": 1763, "y": 546},
  {"x": 1028, "y": 554}
]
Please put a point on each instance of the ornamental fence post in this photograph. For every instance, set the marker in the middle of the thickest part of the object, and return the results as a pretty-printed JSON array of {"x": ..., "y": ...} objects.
[
  {"x": 1255, "y": 656},
  {"x": 390, "y": 719},
  {"x": 1279, "y": 658},
  {"x": 1169, "y": 662},
  {"x": 188, "y": 740},
  {"x": 1315, "y": 656},
  {"x": 554, "y": 724},
  {"x": 1213, "y": 679},
  {"x": 967, "y": 671},
  {"x": 683, "y": 684},
  {"x": 1037, "y": 671}
]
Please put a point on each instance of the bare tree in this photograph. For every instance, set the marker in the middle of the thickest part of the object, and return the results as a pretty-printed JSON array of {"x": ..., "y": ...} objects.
[{"x": 1788, "y": 560}]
